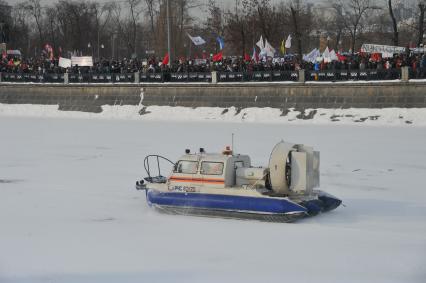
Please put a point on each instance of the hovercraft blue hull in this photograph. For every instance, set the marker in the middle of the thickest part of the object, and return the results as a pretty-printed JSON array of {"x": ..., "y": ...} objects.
[
  {"x": 241, "y": 207},
  {"x": 226, "y": 206}
]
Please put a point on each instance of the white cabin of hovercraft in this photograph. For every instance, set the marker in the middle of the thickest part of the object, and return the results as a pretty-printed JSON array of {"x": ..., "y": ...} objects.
[{"x": 213, "y": 169}]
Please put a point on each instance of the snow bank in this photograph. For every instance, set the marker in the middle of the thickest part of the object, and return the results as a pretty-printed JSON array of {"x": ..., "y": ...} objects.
[{"x": 379, "y": 117}]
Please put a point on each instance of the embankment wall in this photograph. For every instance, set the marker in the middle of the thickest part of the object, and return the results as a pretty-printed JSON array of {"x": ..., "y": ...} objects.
[{"x": 90, "y": 98}]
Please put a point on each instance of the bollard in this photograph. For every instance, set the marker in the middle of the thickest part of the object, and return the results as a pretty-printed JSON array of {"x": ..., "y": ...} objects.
[
  {"x": 66, "y": 78},
  {"x": 405, "y": 74},
  {"x": 214, "y": 77},
  {"x": 301, "y": 76},
  {"x": 137, "y": 77}
]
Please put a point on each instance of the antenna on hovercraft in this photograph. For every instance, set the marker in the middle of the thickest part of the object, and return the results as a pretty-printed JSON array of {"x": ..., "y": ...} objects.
[{"x": 232, "y": 143}]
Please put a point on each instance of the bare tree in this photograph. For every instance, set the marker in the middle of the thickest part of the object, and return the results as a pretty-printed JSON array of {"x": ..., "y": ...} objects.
[
  {"x": 20, "y": 27},
  {"x": 351, "y": 13},
  {"x": 214, "y": 24},
  {"x": 51, "y": 15},
  {"x": 34, "y": 8},
  {"x": 263, "y": 14},
  {"x": 394, "y": 24},
  {"x": 152, "y": 11},
  {"x": 103, "y": 14},
  {"x": 236, "y": 27},
  {"x": 296, "y": 24},
  {"x": 422, "y": 9},
  {"x": 135, "y": 10}
]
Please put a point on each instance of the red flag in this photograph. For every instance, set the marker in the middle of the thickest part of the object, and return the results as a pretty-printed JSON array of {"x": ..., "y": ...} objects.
[
  {"x": 376, "y": 57},
  {"x": 218, "y": 57},
  {"x": 247, "y": 57},
  {"x": 166, "y": 59},
  {"x": 340, "y": 57}
]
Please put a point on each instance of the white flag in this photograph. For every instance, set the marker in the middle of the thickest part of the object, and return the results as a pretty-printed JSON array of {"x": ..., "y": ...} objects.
[
  {"x": 333, "y": 56},
  {"x": 326, "y": 55},
  {"x": 197, "y": 40},
  {"x": 312, "y": 56},
  {"x": 270, "y": 51},
  {"x": 288, "y": 42},
  {"x": 260, "y": 43}
]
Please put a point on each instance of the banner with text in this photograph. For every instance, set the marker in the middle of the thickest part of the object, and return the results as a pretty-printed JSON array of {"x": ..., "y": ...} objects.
[
  {"x": 84, "y": 61},
  {"x": 375, "y": 48}
]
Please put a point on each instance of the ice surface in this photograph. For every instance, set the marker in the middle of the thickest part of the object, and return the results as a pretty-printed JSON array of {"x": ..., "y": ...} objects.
[{"x": 69, "y": 211}]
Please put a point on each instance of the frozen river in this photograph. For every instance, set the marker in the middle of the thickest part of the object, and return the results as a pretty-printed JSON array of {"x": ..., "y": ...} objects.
[{"x": 69, "y": 211}]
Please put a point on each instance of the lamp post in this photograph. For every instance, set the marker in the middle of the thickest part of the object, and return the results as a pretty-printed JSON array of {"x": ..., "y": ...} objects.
[
  {"x": 112, "y": 46},
  {"x": 102, "y": 51},
  {"x": 168, "y": 32}
]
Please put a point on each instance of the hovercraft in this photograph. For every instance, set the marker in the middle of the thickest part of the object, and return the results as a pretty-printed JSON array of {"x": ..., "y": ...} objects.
[{"x": 227, "y": 185}]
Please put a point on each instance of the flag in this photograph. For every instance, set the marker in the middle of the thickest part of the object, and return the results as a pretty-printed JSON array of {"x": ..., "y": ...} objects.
[
  {"x": 270, "y": 51},
  {"x": 340, "y": 57},
  {"x": 166, "y": 59},
  {"x": 312, "y": 56},
  {"x": 197, "y": 40},
  {"x": 376, "y": 57},
  {"x": 282, "y": 48},
  {"x": 247, "y": 57},
  {"x": 218, "y": 57},
  {"x": 255, "y": 56},
  {"x": 260, "y": 43},
  {"x": 221, "y": 42},
  {"x": 333, "y": 55},
  {"x": 326, "y": 55},
  {"x": 288, "y": 42},
  {"x": 49, "y": 50}
]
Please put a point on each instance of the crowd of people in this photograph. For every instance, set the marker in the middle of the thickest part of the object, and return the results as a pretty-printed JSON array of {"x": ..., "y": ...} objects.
[{"x": 360, "y": 61}]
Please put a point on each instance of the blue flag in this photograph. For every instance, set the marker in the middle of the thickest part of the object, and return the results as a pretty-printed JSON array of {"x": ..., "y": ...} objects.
[{"x": 221, "y": 42}]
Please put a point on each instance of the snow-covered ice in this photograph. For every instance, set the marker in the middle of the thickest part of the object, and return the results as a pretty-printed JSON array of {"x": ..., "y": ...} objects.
[
  {"x": 351, "y": 116},
  {"x": 69, "y": 211}
]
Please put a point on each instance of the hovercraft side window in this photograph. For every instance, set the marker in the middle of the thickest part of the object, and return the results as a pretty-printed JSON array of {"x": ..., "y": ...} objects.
[
  {"x": 187, "y": 167},
  {"x": 211, "y": 168}
]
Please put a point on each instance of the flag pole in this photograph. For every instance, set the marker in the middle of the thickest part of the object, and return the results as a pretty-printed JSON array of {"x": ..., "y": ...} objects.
[{"x": 168, "y": 32}]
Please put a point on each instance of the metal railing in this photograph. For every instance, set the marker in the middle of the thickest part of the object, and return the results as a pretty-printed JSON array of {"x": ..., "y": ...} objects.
[
  {"x": 207, "y": 77},
  {"x": 353, "y": 75}
]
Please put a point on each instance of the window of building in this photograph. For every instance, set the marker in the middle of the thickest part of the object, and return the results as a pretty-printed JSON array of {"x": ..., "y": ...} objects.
[
  {"x": 187, "y": 167},
  {"x": 211, "y": 168}
]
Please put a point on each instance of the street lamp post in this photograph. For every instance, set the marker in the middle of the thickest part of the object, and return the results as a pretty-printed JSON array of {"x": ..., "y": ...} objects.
[
  {"x": 168, "y": 32},
  {"x": 112, "y": 46}
]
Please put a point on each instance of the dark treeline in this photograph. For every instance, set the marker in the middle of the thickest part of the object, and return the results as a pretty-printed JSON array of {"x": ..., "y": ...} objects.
[{"x": 137, "y": 28}]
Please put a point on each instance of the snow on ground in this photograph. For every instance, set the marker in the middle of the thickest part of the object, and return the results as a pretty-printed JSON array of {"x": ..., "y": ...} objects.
[
  {"x": 69, "y": 211},
  {"x": 358, "y": 116}
]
